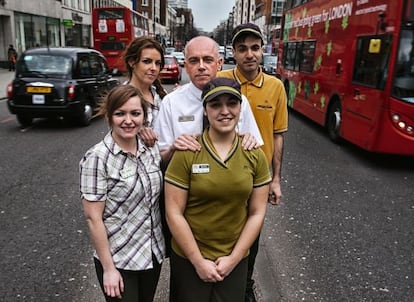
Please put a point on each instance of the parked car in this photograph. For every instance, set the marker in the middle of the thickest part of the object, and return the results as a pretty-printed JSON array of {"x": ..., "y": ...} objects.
[
  {"x": 58, "y": 82},
  {"x": 171, "y": 71},
  {"x": 269, "y": 64},
  {"x": 169, "y": 50},
  {"x": 229, "y": 57},
  {"x": 222, "y": 51},
  {"x": 180, "y": 57}
]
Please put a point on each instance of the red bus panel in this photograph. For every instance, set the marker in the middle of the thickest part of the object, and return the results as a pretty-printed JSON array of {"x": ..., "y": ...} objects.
[
  {"x": 346, "y": 65},
  {"x": 113, "y": 29}
]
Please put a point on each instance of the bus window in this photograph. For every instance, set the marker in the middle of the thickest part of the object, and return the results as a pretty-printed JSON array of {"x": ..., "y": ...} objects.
[
  {"x": 293, "y": 3},
  {"x": 288, "y": 4},
  {"x": 299, "y": 56},
  {"x": 307, "y": 56},
  {"x": 110, "y": 14},
  {"x": 290, "y": 56},
  {"x": 370, "y": 68},
  {"x": 112, "y": 45}
]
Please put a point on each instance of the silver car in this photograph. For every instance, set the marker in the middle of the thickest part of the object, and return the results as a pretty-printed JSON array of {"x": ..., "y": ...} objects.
[{"x": 269, "y": 64}]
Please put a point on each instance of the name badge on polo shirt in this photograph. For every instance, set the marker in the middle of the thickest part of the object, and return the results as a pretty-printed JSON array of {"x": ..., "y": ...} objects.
[
  {"x": 127, "y": 172},
  {"x": 186, "y": 118},
  {"x": 201, "y": 168}
]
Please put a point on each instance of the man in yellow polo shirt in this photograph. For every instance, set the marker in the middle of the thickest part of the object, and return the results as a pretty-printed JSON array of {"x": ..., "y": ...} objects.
[{"x": 267, "y": 98}]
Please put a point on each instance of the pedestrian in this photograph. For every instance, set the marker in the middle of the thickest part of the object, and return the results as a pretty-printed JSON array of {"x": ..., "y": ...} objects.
[
  {"x": 12, "y": 57},
  {"x": 180, "y": 119},
  {"x": 120, "y": 183},
  {"x": 215, "y": 203},
  {"x": 267, "y": 98}
]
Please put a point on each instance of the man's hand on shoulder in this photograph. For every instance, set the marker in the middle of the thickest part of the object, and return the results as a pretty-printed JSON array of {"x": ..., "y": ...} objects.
[
  {"x": 148, "y": 136},
  {"x": 249, "y": 142},
  {"x": 187, "y": 142}
]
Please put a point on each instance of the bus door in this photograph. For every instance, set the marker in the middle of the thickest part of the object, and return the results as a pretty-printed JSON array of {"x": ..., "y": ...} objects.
[{"x": 367, "y": 96}]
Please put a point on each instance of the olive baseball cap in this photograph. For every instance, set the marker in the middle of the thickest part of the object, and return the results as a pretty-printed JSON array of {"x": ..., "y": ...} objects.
[
  {"x": 219, "y": 86},
  {"x": 246, "y": 29}
]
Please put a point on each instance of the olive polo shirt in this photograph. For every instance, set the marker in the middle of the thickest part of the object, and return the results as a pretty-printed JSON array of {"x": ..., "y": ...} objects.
[{"x": 218, "y": 192}]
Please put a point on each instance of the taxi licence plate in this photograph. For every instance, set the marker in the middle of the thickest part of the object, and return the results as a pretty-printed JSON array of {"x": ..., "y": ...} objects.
[
  {"x": 38, "y": 99},
  {"x": 39, "y": 89}
]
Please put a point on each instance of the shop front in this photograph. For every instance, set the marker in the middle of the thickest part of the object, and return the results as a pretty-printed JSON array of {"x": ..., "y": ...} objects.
[
  {"x": 77, "y": 30},
  {"x": 36, "y": 31}
]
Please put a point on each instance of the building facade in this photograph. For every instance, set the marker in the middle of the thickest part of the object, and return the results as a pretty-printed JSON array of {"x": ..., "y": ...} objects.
[
  {"x": 76, "y": 23},
  {"x": 267, "y": 14},
  {"x": 178, "y": 3},
  {"x": 56, "y": 23},
  {"x": 27, "y": 24}
]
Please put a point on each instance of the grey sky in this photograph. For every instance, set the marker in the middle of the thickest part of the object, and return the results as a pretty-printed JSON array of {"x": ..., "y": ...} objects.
[{"x": 208, "y": 13}]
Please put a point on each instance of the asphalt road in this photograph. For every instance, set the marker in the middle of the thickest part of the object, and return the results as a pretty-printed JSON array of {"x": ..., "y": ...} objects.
[
  {"x": 343, "y": 233},
  {"x": 345, "y": 229}
]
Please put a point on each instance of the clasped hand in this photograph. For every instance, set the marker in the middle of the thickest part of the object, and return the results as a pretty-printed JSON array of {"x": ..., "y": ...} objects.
[{"x": 215, "y": 271}]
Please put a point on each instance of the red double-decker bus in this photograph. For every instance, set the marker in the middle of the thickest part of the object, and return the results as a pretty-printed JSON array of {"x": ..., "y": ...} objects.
[
  {"x": 349, "y": 66},
  {"x": 113, "y": 29}
]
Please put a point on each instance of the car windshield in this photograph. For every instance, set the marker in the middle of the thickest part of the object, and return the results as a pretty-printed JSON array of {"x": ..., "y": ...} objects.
[
  {"x": 169, "y": 50},
  {"x": 269, "y": 60},
  {"x": 43, "y": 65},
  {"x": 178, "y": 54},
  {"x": 169, "y": 60}
]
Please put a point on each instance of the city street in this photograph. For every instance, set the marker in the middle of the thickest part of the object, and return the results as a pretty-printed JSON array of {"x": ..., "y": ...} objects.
[{"x": 343, "y": 233}]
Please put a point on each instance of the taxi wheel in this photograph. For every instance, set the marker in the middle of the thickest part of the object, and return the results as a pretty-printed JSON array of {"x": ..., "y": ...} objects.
[
  {"x": 23, "y": 120},
  {"x": 85, "y": 118}
]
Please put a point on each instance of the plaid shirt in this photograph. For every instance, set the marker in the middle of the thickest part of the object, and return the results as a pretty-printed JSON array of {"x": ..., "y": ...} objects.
[{"x": 130, "y": 187}]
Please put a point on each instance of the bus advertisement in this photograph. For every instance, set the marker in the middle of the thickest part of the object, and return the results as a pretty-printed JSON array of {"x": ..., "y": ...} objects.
[
  {"x": 113, "y": 29},
  {"x": 349, "y": 66}
]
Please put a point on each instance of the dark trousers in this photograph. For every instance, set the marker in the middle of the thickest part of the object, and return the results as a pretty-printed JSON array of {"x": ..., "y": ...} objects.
[
  {"x": 186, "y": 285},
  {"x": 254, "y": 249},
  {"x": 139, "y": 286},
  {"x": 12, "y": 65}
]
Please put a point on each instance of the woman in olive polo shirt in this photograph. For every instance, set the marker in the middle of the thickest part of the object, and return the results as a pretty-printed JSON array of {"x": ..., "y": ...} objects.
[{"x": 216, "y": 202}]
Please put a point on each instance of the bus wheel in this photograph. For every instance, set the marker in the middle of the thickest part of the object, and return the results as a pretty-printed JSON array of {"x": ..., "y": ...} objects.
[
  {"x": 333, "y": 122},
  {"x": 286, "y": 84}
]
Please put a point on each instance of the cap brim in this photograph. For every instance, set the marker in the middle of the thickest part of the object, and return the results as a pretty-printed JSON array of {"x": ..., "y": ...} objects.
[
  {"x": 219, "y": 91},
  {"x": 247, "y": 30}
]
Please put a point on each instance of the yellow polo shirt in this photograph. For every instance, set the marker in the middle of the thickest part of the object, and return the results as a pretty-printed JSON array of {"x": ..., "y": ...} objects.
[{"x": 267, "y": 98}]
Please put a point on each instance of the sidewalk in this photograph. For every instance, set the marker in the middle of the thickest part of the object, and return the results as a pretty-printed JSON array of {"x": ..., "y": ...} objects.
[{"x": 6, "y": 77}]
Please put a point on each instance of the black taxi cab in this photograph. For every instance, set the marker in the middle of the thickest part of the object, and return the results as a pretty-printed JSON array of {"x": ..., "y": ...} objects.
[{"x": 58, "y": 82}]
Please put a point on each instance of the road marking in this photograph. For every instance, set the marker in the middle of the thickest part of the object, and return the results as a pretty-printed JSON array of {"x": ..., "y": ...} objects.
[{"x": 7, "y": 119}]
